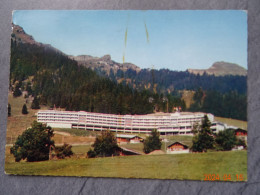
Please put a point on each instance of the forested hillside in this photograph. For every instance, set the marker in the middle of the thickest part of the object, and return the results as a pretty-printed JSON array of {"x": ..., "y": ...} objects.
[
  {"x": 59, "y": 81},
  {"x": 229, "y": 105},
  {"x": 165, "y": 80},
  {"x": 220, "y": 95}
]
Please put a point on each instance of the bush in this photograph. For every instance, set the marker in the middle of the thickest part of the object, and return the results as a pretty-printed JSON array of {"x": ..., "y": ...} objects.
[
  {"x": 104, "y": 145},
  {"x": 63, "y": 151},
  {"x": 91, "y": 154},
  {"x": 34, "y": 143},
  {"x": 241, "y": 142},
  {"x": 226, "y": 140}
]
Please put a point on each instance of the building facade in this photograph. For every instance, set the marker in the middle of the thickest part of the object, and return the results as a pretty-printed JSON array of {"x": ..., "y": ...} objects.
[{"x": 165, "y": 123}]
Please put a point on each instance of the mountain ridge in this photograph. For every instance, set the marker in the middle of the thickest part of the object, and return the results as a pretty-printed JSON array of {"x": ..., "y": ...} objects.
[
  {"x": 106, "y": 64},
  {"x": 221, "y": 69}
]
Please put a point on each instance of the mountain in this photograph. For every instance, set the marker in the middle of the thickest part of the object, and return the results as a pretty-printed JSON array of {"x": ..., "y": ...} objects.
[
  {"x": 104, "y": 63},
  {"x": 221, "y": 69},
  {"x": 20, "y": 36}
]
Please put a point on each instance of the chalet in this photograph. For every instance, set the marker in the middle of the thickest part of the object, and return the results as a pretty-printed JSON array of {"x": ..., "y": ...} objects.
[
  {"x": 177, "y": 148},
  {"x": 123, "y": 138}
]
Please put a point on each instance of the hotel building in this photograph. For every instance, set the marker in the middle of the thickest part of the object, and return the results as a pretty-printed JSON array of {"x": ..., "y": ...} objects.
[{"x": 165, "y": 123}]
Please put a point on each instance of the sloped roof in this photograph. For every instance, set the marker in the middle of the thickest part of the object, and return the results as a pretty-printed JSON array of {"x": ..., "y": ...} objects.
[
  {"x": 242, "y": 130},
  {"x": 132, "y": 151},
  {"x": 185, "y": 146}
]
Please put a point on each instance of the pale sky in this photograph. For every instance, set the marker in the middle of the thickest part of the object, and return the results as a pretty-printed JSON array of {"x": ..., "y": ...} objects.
[{"x": 176, "y": 40}]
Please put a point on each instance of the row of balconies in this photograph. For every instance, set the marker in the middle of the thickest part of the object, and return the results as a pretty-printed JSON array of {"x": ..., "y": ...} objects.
[
  {"x": 105, "y": 123},
  {"x": 100, "y": 118},
  {"x": 131, "y": 130}
]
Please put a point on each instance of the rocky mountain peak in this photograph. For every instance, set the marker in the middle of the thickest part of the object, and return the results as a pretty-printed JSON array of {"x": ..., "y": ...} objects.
[
  {"x": 20, "y": 35},
  {"x": 221, "y": 69}
]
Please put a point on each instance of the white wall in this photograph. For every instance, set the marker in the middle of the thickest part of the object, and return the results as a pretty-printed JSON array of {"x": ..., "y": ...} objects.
[
  {"x": 178, "y": 151},
  {"x": 59, "y": 125}
]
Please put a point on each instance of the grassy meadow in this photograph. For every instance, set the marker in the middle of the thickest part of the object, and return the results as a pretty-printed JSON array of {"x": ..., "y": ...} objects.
[
  {"x": 182, "y": 166},
  {"x": 232, "y": 122}
]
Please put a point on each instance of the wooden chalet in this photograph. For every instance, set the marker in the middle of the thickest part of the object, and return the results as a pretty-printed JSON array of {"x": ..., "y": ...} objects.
[
  {"x": 176, "y": 148},
  {"x": 123, "y": 138}
]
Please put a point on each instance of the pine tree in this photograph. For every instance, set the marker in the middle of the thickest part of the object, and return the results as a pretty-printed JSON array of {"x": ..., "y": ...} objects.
[
  {"x": 203, "y": 139},
  {"x": 24, "y": 110},
  {"x": 17, "y": 92},
  {"x": 9, "y": 109},
  {"x": 35, "y": 104},
  {"x": 153, "y": 142}
]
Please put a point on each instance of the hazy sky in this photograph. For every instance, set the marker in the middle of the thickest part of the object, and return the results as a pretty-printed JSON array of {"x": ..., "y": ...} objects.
[{"x": 164, "y": 39}]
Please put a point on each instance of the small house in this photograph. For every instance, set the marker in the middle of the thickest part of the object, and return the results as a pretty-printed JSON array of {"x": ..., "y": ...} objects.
[
  {"x": 123, "y": 138},
  {"x": 177, "y": 148}
]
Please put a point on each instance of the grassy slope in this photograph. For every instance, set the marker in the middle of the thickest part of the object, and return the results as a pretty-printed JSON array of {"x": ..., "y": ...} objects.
[
  {"x": 187, "y": 97},
  {"x": 182, "y": 166},
  {"x": 232, "y": 122},
  {"x": 24, "y": 121}
]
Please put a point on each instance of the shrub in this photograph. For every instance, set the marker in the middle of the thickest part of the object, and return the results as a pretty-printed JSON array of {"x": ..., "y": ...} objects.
[
  {"x": 34, "y": 143},
  {"x": 105, "y": 145},
  {"x": 63, "y": 151}
]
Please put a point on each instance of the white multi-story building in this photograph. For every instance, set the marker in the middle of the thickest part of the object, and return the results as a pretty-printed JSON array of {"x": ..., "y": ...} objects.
[{"x": 165, "y": 123}]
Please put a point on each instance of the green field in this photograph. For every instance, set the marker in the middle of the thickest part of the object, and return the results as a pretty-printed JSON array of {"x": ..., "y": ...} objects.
[
  {"x": 77, "y": 132},
  {"x": 181, "y": 166},
  {"x": 232, "y": 122},
  {"x": 80, "y": 149}
]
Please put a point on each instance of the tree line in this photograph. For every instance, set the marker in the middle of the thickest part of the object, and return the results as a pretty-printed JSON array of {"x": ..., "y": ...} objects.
[{"x": 168, "y": 80}]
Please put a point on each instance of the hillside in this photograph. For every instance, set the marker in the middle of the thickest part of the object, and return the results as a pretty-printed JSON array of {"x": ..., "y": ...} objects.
[
  {"x": 57, "y": 80},
  {"x": 221, "y": 69},
  {"x": 20, "y": 36}
]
